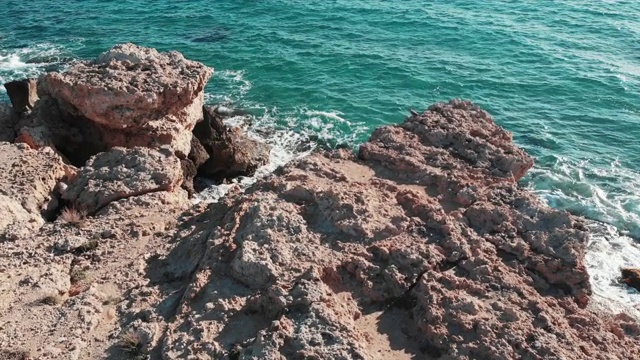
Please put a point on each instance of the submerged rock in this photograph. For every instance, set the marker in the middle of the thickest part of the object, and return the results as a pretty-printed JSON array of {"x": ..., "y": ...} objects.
[{"x": 424, "y": 247}]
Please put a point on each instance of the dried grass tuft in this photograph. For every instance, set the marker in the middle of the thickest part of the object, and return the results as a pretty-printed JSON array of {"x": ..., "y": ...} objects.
[
  {"x": 73, "y": 216},
  {"x": 131, "y": 343},
  {"x": 52, "y": 300}
]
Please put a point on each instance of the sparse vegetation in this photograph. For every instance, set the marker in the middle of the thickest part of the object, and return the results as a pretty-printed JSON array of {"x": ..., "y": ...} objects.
[
  {"x": 15, "y": 355},
  {"x": 86, "y": 247},
  {"x": 77, "y": 276},
  {"x": 131, "y": 343},
  {"x": 52, "y": 300},
  {"x": 73, "y": 216},
  {"x": 111, "y": 300}
]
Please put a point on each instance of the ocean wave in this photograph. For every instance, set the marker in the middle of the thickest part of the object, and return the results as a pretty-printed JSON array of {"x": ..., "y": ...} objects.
[
  {"x": 227, "y": 87},
  {"x": 608, "y": 252},
  {"x": 607, "y": 194},
  {"x": 334, "y": 115},
  {"x": 30, "y": 61},
  {"x": 292, "y": 135}
]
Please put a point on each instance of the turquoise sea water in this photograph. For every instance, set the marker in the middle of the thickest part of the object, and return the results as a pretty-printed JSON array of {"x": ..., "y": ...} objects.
[{"x": 564, "y": 75}]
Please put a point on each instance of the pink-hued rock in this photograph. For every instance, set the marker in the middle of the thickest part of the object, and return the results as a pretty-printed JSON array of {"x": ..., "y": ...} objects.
[
  {"x": 421, "y": 247},
  {"x": 28, "y": 180},
  {"x": 137, "y": 96},
  {"x": 123, "y": 173},
  {"x": 424, "y": 247}
]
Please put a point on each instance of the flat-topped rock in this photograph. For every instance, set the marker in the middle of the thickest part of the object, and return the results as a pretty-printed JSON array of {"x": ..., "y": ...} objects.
[
  {"x": 137, "y": 96},
  {"x": 123, "y": 173}
]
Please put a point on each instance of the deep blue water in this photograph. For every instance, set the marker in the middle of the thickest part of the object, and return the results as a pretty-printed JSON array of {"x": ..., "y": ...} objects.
[{"x": 564, "y": 76}]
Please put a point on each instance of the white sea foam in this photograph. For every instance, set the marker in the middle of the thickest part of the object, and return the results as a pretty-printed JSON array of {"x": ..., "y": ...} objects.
[
  {"x": 333, "y": 115},
  {"x": 605, "y": 193},
  {"x": 28, "y": 61},
  {"x": 285, "y": 148},
  {"x": 11, "y": 62},
  {"x": 607, "y": 253},
  {"x": 292, "y": 135},
  {"x": 610, "y": 195}
]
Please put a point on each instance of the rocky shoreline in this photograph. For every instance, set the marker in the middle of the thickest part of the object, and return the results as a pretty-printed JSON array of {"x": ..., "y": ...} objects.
[{"x": 421, "y": 246}]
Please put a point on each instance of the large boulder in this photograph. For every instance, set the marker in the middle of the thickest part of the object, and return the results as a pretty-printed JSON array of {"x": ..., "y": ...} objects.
[
  {"x": 23, "y": 94},
  {"x": 122, "y": 173},
  {"x": 231, "y": 152},
  {"x": 423, "y": 247},
  {"x": 135, "y": 96}
]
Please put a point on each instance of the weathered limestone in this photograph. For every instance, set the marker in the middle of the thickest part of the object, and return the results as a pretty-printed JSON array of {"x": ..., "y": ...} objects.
[
  {"x": 28, "y": 181},
  {"x": 424, "y": 247},
  {"x": 136, "y": 96},
  {"x": 123, "y": 173}
]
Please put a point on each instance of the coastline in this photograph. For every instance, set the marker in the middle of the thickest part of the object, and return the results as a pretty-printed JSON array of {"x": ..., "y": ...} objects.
[{"x": 425, "y": 236}]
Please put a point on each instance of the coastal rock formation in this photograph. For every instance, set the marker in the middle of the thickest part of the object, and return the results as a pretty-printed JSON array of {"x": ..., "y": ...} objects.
[
  {"x": 123, "y": 173},
  {"x": 23, "y": 94},
  {"x": 423, "y": 247},
  {"x": 28, "y": 181},
  {"x": 7, "y": 123},
  {"x": 231, "y": 152},
  {"x": 63, "y": 286},
  {"x": 131, "y": 96},
  {"x": 136, "y": 96},
  {"x": 191, "y": 163}
]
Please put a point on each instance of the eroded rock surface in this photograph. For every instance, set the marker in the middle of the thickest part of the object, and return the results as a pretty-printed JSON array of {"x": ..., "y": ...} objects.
[
  {"x": 421, "y": 247},
  {"x": 136, "y": 96},
  {"x": 65, "y": 288},
  {"x": 23, "y": 94},
  {"x": 123, "y": 173},
  {"x": 424, "y": 247},
  {"x": 7, "y": 123},
  {"x": 28, "y": 180},
  {"x": 231, "y": 152}
]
